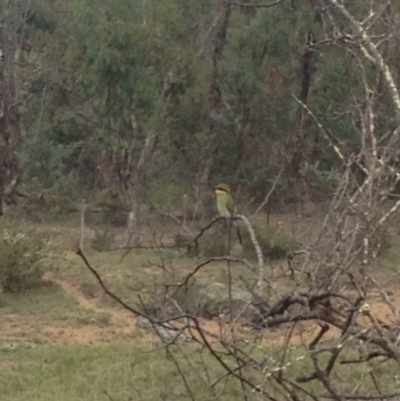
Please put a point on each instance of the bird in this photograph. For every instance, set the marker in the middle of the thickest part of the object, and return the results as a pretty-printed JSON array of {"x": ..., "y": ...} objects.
[{"x": 225, "y": 204}]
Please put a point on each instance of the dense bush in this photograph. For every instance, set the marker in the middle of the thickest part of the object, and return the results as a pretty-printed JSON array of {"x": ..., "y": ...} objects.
[
  {"x": 103, "y": 240},
  {"x": 21, "y": 260},
  {"x": 216, "y": 241},
  {"x": 212, "y": 300},
  {"x": 274, "y": 244}
]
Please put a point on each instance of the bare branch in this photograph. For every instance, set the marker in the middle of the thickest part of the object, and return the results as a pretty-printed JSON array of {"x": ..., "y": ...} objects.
[
  {"x": 270, "y": 192},
  {"x": 246, "y": 5},
  {"x": 374, "y": 55},
  {"x": 260, "y": 256}
]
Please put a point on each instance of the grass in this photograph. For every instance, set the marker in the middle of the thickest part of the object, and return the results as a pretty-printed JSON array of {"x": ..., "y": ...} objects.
[
  {"x": 73, "y": 373},
  {"x": 48, "y": 303},
  {"x": 101, "y": 319},
  {"x": 29, "y": 371}
]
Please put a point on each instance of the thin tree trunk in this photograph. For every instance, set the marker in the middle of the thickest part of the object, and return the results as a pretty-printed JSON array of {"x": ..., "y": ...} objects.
[
  {"x": 300, "y": 142},
  {"x": 299, "y": 149},
  {"x": 10, "y": 128},
  {"x": 2, "y": 175},
  {"x": 133, "y": 176},
  {"x": 132, "y": 218},
  {"x": 82, "y": 226},
  {"x": 131, "y": 224},
  {"x": 302, "y": 148},
  {"x": 214, "y": 98}
]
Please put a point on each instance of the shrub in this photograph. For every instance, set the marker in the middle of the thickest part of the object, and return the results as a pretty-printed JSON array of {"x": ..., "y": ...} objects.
[
  {"x": 215, "y": 246},
  {"x": 109, "y": 200},
  {"x": 379, "y": 244},
  {"x": 215, "y": 243},
  {"x": 103, "y": 240},
  {"x": 211, "y": 300},
  {"x": 21, "y": 260},
  {"x": 274, "y": 244}
]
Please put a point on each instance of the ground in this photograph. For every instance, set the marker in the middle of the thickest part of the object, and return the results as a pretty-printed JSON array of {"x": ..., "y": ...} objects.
[{"x": 70, "y": 310}]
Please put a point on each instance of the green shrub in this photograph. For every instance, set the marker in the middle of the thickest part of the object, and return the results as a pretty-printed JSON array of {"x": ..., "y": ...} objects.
[
  {"x": 215, "y": 246},
  {"x": 211, "y": 300},
  {"x": 274, "y": 244},
  {"x": 103, "y": 240},
  {"x": 215, "y": 242},
  {"x": 109, "y": 200},
  {"x": 21, "y": 260},
  {"x": 320, "y": 178},
  {"x": 166, "y": 197}
]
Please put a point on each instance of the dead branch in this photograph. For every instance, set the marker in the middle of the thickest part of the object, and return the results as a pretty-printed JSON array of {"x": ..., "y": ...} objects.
[
  {"x": 260, "y": 256},
  {"x": 246, "y": 5},
  {"x": 372, "y": 53},
  {"x": 270, "y": 192}
]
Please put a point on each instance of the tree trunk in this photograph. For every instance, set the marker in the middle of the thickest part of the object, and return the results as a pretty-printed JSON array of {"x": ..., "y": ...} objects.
[
  {"x": 10, "y": 128},
  {"x": 300, "y": 148},
  {"x": 2, "y": 175},
  {"x": 132, "y": 218},
  {"x": 301, "y": 145},
  {"x": 133, "y": 176},
  {"x": 214, "y": 98},
  {"x": 300, "y": 142}
]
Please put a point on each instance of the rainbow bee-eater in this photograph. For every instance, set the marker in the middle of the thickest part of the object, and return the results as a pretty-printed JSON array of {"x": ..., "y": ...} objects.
[{"x": 225, "y": 204}]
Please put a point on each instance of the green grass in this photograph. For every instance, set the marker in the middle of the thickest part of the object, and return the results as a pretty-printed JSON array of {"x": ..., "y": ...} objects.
[
  {"x": 73, "y": 373},
  {"x": 47, "y": 302}
]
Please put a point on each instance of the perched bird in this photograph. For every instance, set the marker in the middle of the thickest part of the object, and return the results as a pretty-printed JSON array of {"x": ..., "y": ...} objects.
[{"x": 225, "y": 204}]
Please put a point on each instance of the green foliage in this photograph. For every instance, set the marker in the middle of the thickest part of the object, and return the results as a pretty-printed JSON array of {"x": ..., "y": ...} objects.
[
  {"x": 211, "y": 300},
  {"x": 103, "y": 240},
  {"x": 215, "y": 245},
  {"x": 21, "y": 260},
  {"x": 89, "y": 65},
  {"x": 323, "y": 179},
  {"x": 216, "y": 242},
  {"x": 274, "y": 244},
  {"x": 110, "y": 206},
  {"x": 63, "y": 197},
  {"x": 166, "y": 197},
  {"x": 109, "y": 200}
]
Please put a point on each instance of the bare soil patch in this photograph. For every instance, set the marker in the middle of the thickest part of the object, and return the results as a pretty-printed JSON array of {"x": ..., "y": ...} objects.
[{"x": 122, "y": 326}]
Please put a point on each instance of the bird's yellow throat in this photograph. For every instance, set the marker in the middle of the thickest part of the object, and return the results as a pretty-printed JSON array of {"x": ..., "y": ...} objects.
[{"x": 219, "y": 192}]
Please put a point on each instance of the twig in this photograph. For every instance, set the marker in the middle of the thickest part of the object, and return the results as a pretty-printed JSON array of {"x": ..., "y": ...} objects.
[
  {"x": 116, "y": 298},
  {"x": 245, "y": 5},
  {"x": 329, "y": 137},
  {"x": 266, "y": 199},
  {"x": 82, "y": 226},
  {"x": 216, "y": 259},
  {"x": 364, "y": 397},
  {"x": 372, "y": 53}
]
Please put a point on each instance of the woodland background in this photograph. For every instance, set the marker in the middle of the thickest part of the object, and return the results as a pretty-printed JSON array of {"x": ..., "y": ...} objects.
[
  {"x": 117, "y": 119},
  {"x": 128, "y": 103}
]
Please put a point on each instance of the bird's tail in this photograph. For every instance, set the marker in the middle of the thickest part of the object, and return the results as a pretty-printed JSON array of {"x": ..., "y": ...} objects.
[{"x": 238, "y": 233}]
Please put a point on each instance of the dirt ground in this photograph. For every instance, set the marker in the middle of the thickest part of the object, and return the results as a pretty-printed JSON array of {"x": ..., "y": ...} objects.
[{"x": 121, "y": 326}]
